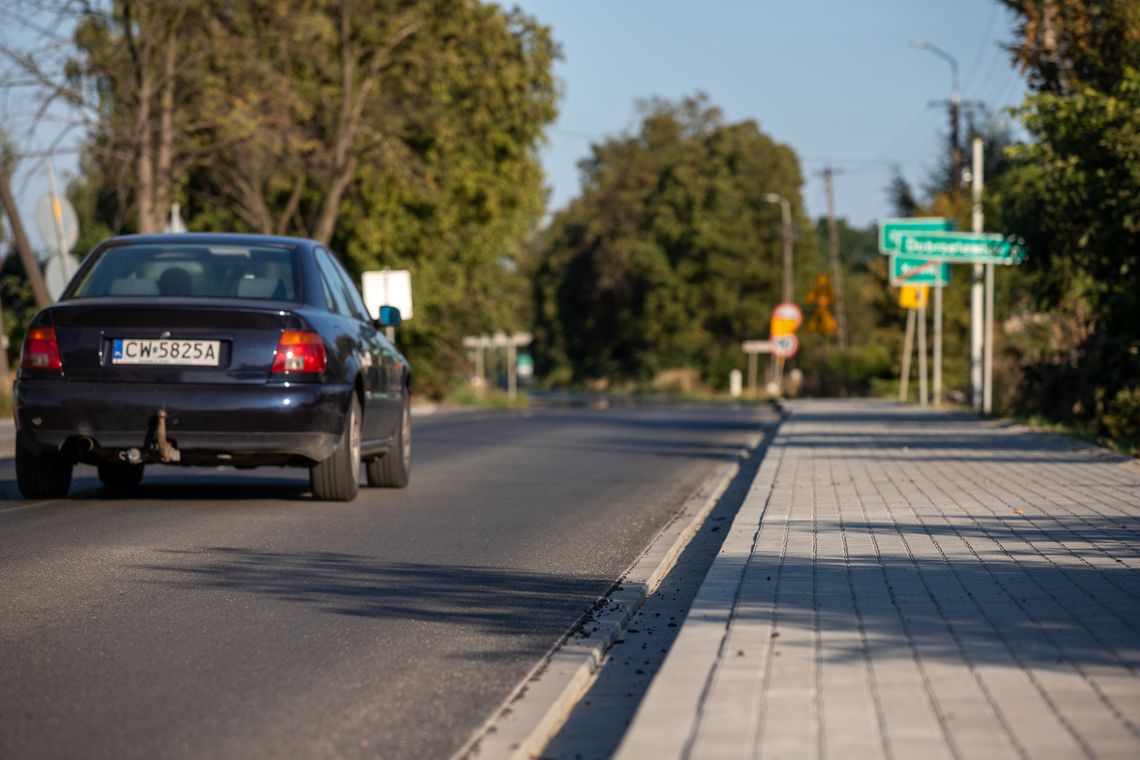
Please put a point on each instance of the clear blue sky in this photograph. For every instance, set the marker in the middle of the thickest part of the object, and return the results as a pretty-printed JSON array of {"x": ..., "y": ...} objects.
[{"x": 838, "y": 80}]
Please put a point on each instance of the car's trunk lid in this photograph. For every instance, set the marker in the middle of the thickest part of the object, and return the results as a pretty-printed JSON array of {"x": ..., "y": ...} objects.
[{"x": 135, "y": 340}]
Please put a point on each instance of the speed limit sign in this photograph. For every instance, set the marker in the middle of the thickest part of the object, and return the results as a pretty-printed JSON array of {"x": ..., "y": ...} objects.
[{"x": 785, "y": 346}]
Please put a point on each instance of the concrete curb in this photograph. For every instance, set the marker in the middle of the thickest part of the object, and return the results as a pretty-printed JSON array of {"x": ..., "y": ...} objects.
[
  {"x": 540, "y": 703},
  {"x": 671, "y": 711}
]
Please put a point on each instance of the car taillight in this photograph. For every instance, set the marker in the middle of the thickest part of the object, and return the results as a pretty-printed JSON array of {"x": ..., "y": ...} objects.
[
  {"x": 41, "y": 350},
  {"x": 299, "y": 352}
]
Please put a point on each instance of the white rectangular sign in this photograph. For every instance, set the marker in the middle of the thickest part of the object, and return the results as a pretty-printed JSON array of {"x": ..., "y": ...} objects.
[
  {"x": 756, "y": 347},
  {"x": 388, "y": 287}
]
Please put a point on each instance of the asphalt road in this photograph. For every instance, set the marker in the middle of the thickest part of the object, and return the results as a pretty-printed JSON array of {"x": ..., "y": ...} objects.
[{"x": 223, "y": 614}]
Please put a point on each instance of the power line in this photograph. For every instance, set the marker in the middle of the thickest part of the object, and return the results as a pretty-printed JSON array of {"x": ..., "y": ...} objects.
[
  {"x": 992, "y": 78},
  {"x": 981, "y": 47}
]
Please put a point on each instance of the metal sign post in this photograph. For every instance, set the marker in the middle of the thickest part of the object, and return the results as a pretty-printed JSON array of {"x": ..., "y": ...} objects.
[
  {"x": 934, "y": 241},
  {"x": 786, "y": 319},
  {"x": 511, "y": 344},
  {"x": 935, "y": 273},
  {"x": 56, "y": 212},
  {"x": 932, "y": 272},
  {"x": 938, "y": 347},
  {"x": 478, "y": 344},
  {"x": 922, "y": 395},
  {"x": 57, "y": 222},
  {"x": 752, "y": 348},
  {"x": 908, "y": 347},
  {"x": 784, "y": 347}
]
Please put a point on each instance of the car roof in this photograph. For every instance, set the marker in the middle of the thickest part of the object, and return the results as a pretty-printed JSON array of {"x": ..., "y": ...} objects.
[{"x": 212, "y": 238}]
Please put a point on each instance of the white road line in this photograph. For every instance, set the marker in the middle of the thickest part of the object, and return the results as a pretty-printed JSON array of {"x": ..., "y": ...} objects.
[{"x": 34, "y": 504}]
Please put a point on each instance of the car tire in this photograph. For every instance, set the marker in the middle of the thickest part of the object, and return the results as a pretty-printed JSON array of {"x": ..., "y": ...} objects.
[
  {"x": 42, "y": 476},
  {"x": 116, "y": 476},
  {"x": 337, "y": 478},
  {"x": 394, "y": 469}
]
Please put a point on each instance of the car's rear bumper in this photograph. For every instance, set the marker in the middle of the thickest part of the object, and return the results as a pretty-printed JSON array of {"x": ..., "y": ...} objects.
[{"x": 205, "y": 422}]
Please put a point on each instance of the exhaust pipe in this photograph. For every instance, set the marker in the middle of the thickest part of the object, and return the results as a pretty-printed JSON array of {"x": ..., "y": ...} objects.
[
  {"x": 132, "y": 456},
  {"x": 85, "y": 445}
]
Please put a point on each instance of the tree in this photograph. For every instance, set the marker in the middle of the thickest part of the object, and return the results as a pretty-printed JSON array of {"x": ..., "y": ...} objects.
[
  {"x": 402, "y": 132},
  {"x": 1074, "y": 195},
  {"x": 1066, "y": 45},
  {"x": 670, "y": 257}
]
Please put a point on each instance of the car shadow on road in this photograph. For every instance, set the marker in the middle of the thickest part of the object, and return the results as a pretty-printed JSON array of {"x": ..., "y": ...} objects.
[{"x": 182, "y": 486}]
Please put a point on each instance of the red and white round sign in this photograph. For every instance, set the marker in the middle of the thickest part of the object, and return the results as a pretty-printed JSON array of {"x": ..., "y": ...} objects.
[
  {"x": 785, "y": 346},
  {"x": 786, "y": 319},
  {"x": 790, "y": 312}
]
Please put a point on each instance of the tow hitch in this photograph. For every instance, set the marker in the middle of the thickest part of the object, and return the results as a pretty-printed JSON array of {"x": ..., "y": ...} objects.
[
  {"x": 161, "y": 449},
  {"x": 166, "y": 450}
]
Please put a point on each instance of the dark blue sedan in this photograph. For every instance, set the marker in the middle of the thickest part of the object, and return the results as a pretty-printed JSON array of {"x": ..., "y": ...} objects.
[{"x": 211, "y": 349}]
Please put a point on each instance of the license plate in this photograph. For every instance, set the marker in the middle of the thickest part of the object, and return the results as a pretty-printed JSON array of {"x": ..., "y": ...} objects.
[{"x": 200, "y": 353}]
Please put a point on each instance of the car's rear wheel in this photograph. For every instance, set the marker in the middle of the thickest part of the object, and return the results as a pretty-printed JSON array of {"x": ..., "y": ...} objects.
[
  {"x": 337, "y": 478},
  {"x": 394, "y": 469},
  {"x": 116, "y": 476},
  {"x": 42, "y": 476}
]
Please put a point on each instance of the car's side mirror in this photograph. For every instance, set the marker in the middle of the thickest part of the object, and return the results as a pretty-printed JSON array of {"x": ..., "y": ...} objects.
[{"x": 389, "y": 316}]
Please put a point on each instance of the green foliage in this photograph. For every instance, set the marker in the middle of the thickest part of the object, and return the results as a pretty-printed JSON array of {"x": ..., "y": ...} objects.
[
  {"x": 1066, "y": 45},
  {"x": 671, "y": 256},
  {"x": 872, "y": 318},
  {"x": 403, "y": 132},
  {"x": 1070, "y": 347},
  {"x": 1075, "y": 197},
  {"x": 460, "y": 220},
  {"x": 18, "y": 303}
]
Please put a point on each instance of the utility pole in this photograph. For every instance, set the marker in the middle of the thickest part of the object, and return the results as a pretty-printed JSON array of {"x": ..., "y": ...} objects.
[
  {"x": 955, "y": 145},
  {"x": 955, "y": 108},
  {"x": 976, "y": 287},
  {"x": 955, "y": 105},
  {"x": 836, "y": 269},
  {"x": 988, "y": 337}
]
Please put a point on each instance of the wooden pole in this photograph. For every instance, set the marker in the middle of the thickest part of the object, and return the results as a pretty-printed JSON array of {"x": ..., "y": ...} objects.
[
  {"x": 908, "y": 344},
  {"x": 922, "y": 394}
]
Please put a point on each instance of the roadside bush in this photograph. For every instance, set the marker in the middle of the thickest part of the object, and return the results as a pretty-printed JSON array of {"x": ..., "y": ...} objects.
[{"x": 1119, "y": 417}]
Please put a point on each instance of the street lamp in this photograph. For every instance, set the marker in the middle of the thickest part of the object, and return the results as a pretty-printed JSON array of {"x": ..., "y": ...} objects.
[
  {"x": 955, "y": 106},
  {"x": 786, "y": 233},
  {"x": 927, "y": 45}
]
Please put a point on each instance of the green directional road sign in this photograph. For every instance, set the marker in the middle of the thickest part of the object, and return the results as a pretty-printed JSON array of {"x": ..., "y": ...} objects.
[
  {"x": 891, "y": 230},
  {"x": 911, "y": 271},
  {"x": 961, "y": 247}
]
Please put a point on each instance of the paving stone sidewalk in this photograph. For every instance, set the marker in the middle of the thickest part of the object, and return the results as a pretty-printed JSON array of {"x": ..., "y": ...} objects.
[{"x": 905, "y": 583}]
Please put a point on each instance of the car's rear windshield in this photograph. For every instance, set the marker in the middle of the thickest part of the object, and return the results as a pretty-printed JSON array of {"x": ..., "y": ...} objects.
[{"x": 181, "y": 270}]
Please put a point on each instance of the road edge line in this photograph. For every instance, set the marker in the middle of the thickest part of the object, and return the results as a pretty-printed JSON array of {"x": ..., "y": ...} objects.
[{"x": 539, "y": 704}]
